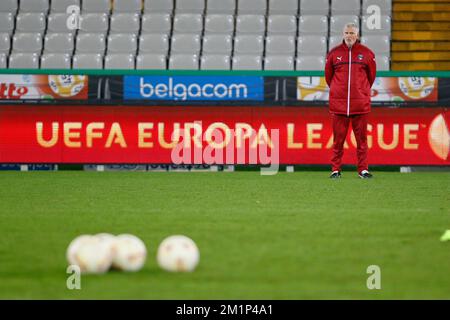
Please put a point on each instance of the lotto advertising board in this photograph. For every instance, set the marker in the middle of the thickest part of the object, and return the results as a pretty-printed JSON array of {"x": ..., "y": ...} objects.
[
  {"x": 43, "y": 87},
  {"x": 214, "y": 135},
  {"x": 394, "y": 89}
]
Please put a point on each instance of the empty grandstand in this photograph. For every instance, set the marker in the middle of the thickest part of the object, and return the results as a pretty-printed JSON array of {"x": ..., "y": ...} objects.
[{"x": 184, "y": 34}]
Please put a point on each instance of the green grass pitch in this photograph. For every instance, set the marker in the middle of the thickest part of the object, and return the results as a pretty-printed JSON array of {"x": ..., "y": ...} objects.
[{"x": 288, "y": 236}]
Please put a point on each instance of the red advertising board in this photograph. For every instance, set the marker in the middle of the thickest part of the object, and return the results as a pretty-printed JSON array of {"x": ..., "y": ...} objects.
[{"x": 214, "y": 134}]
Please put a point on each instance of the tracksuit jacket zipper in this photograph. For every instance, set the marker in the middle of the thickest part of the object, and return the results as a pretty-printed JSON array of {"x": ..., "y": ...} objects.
[{"x": 349, "y": 79}]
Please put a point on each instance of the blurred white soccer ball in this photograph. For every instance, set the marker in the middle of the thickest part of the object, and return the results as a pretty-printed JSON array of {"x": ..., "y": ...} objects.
[
  {"x": 72, "y": 249},
  {"x": 130, "y": 253},
  {"x": 178, "y": 253},
  {"x": 92, "y": 255},
  {"x": 109, "y": 240}
]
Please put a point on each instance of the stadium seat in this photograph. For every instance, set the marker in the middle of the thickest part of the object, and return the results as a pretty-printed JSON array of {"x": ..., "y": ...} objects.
[
  {"x": 6, "y": 22},
  {"x": 59, "y": 43},
  {"x": 33, "y": 6},
  {"x": 247, "y": 62},
  {"x": 384, "y": 5},
  {"x": 283, "y": 7},
  {"x": 383, "y": 62},
  {"x": 57, "y": 22},
  {"x": 151, "y": 61},
  {"x": 313, "y": 24},
  {"x": 9, "y": 6},
  {"x": 314, "y": 7},
  {"x": 94, "y": 23},
  {"x": 158, "y": 6},
  {"x": 334, "y": 41},
  {"x": 129, "y": 6},
  {"x": 184, "y": 62},
  {"x": 279, "y": 62},
  {"x": 154, "y": 43},
  {"x": 337, "y": 23},
  {"x": 311, "y": 44},
  {"x": 384, "y": 30},
  {"x": 251, "y": 24},
  {"x": 91, "y": 43},
  {"x": 87, "y": 61},
  {"x": 219, "y": 23},
  {"x": 258, "y": 7},
  {"x": 190, "y": 6},
  {"x": 282, "y": 24},
  {"x": 215, "y": 62},
  {"x": 24, "y": 61},
  {"x": 125, "y": 23},
  {"x": 377, "y": 43},
  {"x": 122, "y": 43},
  {"x": 119, "y": 61},
  {"x": 345, "y": 7},
  {"x": 55, "y": 61},
  {"x": 3, "y": 61},
  {"x": 221, "y": 7},
  {"x": 280, "y": 44},
  {"x": 217, "y": 44},
  {"x": 188, "y": 23},
  {"x": 310, "y": 63},
  {"x": 5, "y": 43},
  {"x": 96, "y": 6},
  {"x": 60, "y": 6},
  {"x": 31, "y": 22},
  {"x": 246, "y": 44},
  {"x": 27, "y": 42},
  {"x": 186, "y": 43},
  {"x": 157, "y": 23}
]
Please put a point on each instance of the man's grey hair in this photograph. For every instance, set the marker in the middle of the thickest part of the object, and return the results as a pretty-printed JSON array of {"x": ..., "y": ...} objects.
[{"x": 351, "y": 25}]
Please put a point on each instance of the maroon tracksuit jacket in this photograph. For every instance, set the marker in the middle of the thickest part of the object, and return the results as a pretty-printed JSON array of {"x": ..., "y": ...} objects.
[
  {"x": 350, "y": 74},
  {"x": 355, "y": 66}
]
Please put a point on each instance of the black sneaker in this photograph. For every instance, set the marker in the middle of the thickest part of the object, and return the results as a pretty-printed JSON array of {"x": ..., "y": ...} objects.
[
  {"x": 365, "y": 174},
  {"x": 335, "y": 175}
]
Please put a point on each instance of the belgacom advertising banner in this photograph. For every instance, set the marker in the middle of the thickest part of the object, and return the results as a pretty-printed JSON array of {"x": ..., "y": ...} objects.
[
  {"x": 239, "y": 135},
  {"x": 37, "y": 87}
]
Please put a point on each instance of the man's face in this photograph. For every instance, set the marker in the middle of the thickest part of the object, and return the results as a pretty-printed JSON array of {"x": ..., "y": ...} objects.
[{"x": 350, "y": 36}]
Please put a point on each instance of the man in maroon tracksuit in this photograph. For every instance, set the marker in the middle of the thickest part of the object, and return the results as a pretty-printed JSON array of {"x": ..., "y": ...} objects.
[{"x": 350, "y": 72}]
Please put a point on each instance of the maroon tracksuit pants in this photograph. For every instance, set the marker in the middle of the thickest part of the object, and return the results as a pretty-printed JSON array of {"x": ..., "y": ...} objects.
[{"x": 340, "y": 129}]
